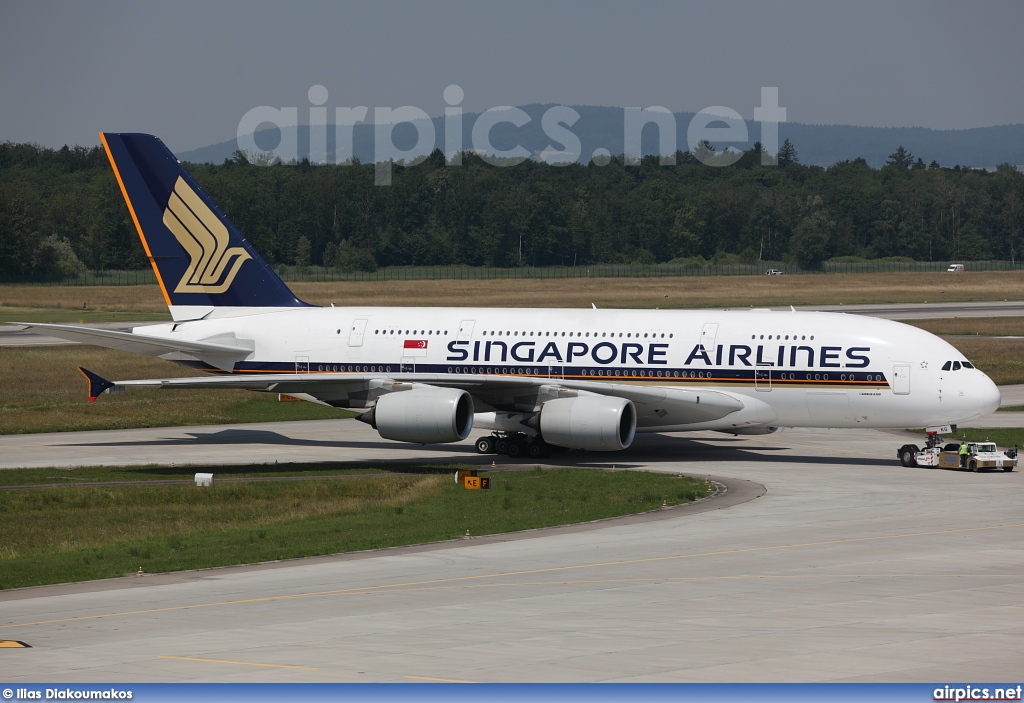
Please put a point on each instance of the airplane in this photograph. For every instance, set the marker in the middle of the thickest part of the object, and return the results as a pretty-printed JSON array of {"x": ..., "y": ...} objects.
[{"x": 539, "y": 379}]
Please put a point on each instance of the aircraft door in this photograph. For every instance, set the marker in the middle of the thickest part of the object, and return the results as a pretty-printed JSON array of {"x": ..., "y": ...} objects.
[
  {"x": 355, "y": 337},
  {"x": 707, "y": 337},
  {"x": 466, "y": 330},
  {"x": 763, "y": 377},
  {"x": 556, "y": 372},
  {"x": 901, "y": 379},
  {"x": 302, "y": 364},
  {"x": 408, "y": 365}
]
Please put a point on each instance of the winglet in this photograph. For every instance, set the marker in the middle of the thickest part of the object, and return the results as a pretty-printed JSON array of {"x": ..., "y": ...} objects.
[{"x": 97, "y": 384}]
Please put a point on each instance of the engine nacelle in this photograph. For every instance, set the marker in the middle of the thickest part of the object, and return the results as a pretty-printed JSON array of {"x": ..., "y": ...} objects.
[
  {"x": 424, "y": 416},
  {"x": 595, "y": 423}
]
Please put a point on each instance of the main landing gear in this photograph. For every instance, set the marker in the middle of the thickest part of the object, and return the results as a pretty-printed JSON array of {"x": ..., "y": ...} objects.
[{"x": 515, "y": 445}]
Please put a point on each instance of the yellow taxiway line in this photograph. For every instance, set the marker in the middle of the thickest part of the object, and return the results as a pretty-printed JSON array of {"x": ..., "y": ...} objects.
[
  {"x": 228, "y": 661},
  {"x": 431, "y": 678}
]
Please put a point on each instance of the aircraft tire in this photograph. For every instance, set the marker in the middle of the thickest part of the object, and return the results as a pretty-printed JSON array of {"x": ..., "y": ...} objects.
[
  {"x": 485, "y": 445},
  {"x": 501, "y": 446},
  {"x": 908, "y": 456},
  {"x": 515, "y": 449}
]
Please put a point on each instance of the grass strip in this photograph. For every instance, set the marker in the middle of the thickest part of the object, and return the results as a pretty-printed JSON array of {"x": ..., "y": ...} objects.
[
  {"x": 53, "y": 535},
  {"x": 679, "y": 292},
  {"x": 1003, "y": 436},
  {"x": 86, "y": 475}
]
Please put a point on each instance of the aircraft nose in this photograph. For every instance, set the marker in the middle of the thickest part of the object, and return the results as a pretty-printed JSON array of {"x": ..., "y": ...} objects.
[{"x": 989, "y": 396}]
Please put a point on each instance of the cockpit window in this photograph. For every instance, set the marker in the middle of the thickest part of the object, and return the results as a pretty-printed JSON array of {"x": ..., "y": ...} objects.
[
  {"x": 968, "y": 365},
  {"x": 947, "y": 365},
  {"x": 956, "y": 365}
]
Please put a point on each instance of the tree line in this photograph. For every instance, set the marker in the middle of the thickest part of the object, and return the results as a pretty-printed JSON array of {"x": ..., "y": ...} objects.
[{"x": 61, "y": 211}]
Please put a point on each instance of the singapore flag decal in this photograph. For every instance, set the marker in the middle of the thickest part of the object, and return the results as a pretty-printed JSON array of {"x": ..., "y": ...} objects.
[{"x": 414, "y": 347}]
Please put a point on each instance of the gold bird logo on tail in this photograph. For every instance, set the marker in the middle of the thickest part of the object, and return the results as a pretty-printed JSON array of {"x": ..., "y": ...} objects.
[{"x": 205, "y": 238}]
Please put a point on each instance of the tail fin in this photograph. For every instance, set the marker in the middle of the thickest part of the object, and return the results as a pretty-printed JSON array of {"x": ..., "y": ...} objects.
[{"x": 199, "y": 257}]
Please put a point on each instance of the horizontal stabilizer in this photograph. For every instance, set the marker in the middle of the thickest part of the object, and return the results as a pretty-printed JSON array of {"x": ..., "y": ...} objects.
[{"x": 218, "y": 353}]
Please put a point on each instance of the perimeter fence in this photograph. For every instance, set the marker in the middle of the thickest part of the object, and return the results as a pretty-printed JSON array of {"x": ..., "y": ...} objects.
[{"x": 439, "y": 273}]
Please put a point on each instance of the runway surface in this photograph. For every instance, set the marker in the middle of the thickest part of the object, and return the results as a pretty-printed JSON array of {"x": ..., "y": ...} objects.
[
  {"x": 848, "y": 567},
  {"x": 926, "y": 311}
]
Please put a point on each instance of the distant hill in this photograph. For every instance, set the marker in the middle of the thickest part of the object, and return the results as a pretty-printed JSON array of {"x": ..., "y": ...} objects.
[{"x": 602, "y": 128}]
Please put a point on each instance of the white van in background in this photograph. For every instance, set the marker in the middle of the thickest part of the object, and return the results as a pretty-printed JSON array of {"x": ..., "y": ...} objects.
[{"x": 956, "y": 268}]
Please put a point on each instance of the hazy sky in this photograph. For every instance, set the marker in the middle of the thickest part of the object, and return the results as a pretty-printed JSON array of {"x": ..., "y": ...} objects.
[{"x": 188, "y": 70}]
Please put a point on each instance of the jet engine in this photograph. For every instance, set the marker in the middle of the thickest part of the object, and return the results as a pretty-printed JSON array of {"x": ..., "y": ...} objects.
[
  {"x": 595, "y": 423},
  {"x": 424, "y": 416}
]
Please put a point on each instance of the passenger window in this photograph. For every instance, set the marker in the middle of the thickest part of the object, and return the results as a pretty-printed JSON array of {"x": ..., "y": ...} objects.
[
  {"x": 956, "y": 365},
  {"x": 947, "y": 366},
  {"x": 968, "y": 365}
]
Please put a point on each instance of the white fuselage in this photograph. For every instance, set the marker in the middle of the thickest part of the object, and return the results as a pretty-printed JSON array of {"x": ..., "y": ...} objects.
[{"x": 793, "y": 369}]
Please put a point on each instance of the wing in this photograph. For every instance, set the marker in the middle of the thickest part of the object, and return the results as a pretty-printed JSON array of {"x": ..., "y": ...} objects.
[{"x": 656, "y": 406}]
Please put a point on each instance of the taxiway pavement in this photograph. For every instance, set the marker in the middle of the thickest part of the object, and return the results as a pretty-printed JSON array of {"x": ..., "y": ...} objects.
[
  {"x": 306, "y": 441},
  {"x": 848, "y": 567}
]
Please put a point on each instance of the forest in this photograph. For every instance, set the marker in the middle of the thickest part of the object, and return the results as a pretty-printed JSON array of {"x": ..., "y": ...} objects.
[{"x": 61, "y": 211}]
